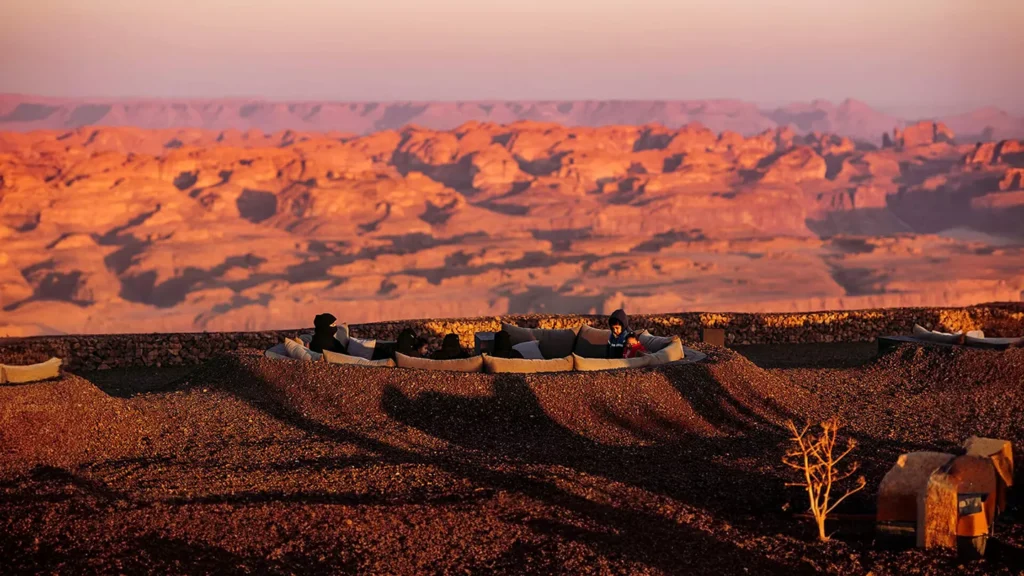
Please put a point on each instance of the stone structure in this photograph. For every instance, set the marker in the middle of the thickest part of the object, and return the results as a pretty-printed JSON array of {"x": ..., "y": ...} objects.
[{"x": 101, "y": 352}]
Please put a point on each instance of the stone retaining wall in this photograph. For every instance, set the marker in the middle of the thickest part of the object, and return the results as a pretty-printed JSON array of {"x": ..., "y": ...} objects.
[{"x": 101, "y": 352}]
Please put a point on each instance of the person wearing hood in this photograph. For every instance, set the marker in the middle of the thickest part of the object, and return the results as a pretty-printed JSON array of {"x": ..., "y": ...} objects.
[
  {"x": 618, "y": 323},
  {"x": 407, "y": 343},
  {"x": 450, "y": 349},
  {"x": 503, "y": 346},
  {"x": 324, "y": 329}
]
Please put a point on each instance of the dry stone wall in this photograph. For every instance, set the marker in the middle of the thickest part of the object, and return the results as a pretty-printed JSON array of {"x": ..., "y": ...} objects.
[{"x": 101, "y": 352}]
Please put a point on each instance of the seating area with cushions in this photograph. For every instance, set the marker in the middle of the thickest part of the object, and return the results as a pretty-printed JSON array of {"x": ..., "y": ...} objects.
[
  {"x": 973, "y": 339},
  {"x": 543, "y": 350}
]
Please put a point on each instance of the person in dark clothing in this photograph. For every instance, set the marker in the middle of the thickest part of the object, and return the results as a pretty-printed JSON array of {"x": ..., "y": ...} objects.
[
  {"x": 503, "y": 346},
  {"x": 450, "y": 349},
  {"x": 407, "y": 343},
  {"x": 618, "y": 323},
  {"x": 324, "y": 329}
]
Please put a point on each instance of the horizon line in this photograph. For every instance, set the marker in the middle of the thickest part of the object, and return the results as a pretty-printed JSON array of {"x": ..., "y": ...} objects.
[{"x": 960, "y": 108}]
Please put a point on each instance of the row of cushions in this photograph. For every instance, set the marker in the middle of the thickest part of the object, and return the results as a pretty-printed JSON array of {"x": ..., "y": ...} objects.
[
  {"x": 972, "y": 338},
  {"x": 10, "y": 374},
  {"x": 671, "y": 353},
  {"x": 491, "y": 364},
  {"x": 584, "y": 341},
  {"x": 470, "y": 364},
  {"x": 552, "y": 343}
]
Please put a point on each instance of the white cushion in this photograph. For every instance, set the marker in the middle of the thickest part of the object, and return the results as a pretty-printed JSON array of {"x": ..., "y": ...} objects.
[
  {"x": 471, "y": 364},
  {"x": 591, "y": 364},
  {"x": 13, "y": 374},
  {"x": 674, "y": 352},
  {"x": 530, "y": 350},
  {"x": 361, "y": 348},
  {"x": 655, "y": 343},
  {"x": 299, "y": 352},
  {"x": 335, "y": 358},
  {"x": 519, "y": 366}
]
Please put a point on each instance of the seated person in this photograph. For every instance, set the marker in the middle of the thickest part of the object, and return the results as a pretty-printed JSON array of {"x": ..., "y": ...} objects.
[
  {"x": 324, "y": 329},
  {"x": 633, "y": 347},
  {"x": 618, "y": 323},
  {"x": 406, "y": 343},
  {"x": 451, "y": 349},
  {"x": 422, "y": 349},
  {"x": 503, "y": 346}
]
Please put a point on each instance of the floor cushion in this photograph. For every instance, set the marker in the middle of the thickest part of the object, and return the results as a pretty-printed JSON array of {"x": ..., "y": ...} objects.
[
  {"x": 297, "y": 351},
  {"x": 336, "y": 358},
  {"x": 3, "y": 375},
  {"x": 671, "y": 353},
  {"x": 994, "y": 343},
  {"x": 530, "y": 350},
  {"x": 583, "y": 364},
  {"x": 655, "y": 343},
  {"x": 940, "y": 337},
  {"x": 520, "y": 366},
  {"x": 518, "y": 335},
  {"x": 342, "y": 335},
  {"x": 32, "y": 373},
  {"x": 556, "y": 343},
  {"x": 471, "y": 364},
  {"x": 592, "y": 342},
  {"x": 361, "y": 348}
]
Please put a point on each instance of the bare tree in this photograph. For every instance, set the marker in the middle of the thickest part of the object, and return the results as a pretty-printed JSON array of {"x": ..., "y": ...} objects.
[{"x": 816, "y": 457}]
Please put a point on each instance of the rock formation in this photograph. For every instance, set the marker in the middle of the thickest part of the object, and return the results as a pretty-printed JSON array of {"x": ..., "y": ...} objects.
[{"x": 122, "y": 229}]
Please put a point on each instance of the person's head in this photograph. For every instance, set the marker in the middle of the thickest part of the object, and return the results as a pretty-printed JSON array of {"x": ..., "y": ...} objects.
[
  {"x": 632, "y": 340},
  {"x": 502, "y": 342},
  {"x": 616, "y": 327},
  {"x": 325, "y": 323},
  {"x": 618, "y": 323},
  {"x": 451, "y": 342},
  {"x": 421, "y": 346},
  {"x": 406, "y": 342}
]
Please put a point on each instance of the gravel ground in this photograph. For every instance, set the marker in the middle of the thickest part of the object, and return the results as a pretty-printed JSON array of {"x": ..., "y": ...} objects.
[{"x": 253, "y": 466}]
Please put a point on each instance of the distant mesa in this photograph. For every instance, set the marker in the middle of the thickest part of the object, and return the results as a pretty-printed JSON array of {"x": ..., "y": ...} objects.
[{"x": 851, "y": 118}]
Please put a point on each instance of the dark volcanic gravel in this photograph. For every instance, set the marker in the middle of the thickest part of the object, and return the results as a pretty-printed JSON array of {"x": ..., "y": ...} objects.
[{"x": 254, "y": 466}]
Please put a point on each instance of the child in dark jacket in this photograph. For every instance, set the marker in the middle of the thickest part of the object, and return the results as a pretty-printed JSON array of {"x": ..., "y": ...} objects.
[
  {"x": 618, "y": 323},
  {"x": 634, "y": 348}
]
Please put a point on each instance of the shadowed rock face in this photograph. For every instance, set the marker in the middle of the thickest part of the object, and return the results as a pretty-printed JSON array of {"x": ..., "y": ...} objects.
[{"x": 125, "y": 229}]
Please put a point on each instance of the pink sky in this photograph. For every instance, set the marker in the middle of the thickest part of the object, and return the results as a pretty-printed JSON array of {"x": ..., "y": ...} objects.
[{"x": 905, "y": 56}]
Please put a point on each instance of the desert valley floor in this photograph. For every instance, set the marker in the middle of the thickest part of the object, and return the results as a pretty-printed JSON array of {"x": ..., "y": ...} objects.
[{"x": 253, "y": 466}]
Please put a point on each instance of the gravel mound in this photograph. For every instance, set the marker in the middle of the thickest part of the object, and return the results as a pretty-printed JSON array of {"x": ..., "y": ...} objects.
[{"x": 250, "y": 465}]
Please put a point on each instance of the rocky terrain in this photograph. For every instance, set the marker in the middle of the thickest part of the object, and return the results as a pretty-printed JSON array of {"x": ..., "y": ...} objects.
[
  {"x": 141, "y": 230},
  {"x": 849, "y": 118},
  {"x": 254, "y": 466}
]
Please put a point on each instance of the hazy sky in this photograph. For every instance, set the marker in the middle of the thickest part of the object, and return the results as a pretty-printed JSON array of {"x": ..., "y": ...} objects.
[{"x": 939, "y": 55}]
